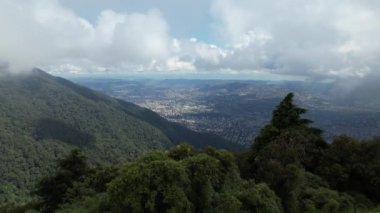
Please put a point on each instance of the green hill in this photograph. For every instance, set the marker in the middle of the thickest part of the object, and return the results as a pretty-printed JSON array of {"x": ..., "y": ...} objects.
[{"x": 43, "y": 117}]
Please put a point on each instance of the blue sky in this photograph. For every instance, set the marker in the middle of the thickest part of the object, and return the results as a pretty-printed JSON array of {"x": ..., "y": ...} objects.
[{"x": 312, "y": 40}]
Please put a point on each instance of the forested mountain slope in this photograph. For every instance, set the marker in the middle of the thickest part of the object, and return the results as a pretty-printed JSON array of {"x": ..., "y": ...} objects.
[
  {"x": 43, "y": 117},
  {"x": 288, "y": 169}
]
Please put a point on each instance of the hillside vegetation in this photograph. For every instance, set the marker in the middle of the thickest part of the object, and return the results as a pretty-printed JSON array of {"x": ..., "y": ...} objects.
[
  {"x": 43, "y": 117},
  {"x": 289, "y": 168}
]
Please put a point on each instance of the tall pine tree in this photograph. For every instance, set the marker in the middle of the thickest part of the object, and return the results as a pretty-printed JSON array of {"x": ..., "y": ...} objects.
[
  {"x": 292, "y": 132},
  {"x": 286, "y": 147}
]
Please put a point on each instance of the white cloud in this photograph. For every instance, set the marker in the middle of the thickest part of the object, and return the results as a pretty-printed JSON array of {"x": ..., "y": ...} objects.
[
  {"x": 201, "y": 54},
  {"x": 134, "y": 38},
  {"x": 174, "y": 64},
  {"x": 315, "y": 39},
  {"x": 35, "y": 32},
  {"x": 44, "y": 33}
]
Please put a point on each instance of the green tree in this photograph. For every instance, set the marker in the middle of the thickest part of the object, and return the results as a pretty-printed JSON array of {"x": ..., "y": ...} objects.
[
  {"x": 214, "y": 180},
  {"x": 204, "y": 174},
  {"x": 315, "y": 196},
  {"x": 53, "y": 189},
  {"x": 258, "y": 198},
  {"x": 289, "y": 129},
  {"x": 180, "y": 151},
  {"x": 226, "y": 203},
  {"x": 154, "y": 183},
  {"x": 350, "y": 165},
  {"x": 283, "y": 150}
]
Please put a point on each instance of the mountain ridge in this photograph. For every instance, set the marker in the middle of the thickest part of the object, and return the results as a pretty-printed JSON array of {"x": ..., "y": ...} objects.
[{"x": 43, "y": 117}]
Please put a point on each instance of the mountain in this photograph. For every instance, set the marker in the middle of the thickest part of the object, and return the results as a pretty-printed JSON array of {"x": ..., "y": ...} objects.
[{"x": 43, "y": 117}]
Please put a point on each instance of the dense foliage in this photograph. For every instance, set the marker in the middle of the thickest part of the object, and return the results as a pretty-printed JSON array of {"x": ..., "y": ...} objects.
[
  {"x": 288, "y": 169},
  {"x": 43, "y": 117},
  {"x": 207, "y": 181}
]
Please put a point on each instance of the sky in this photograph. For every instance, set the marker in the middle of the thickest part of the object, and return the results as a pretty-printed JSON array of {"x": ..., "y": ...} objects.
[{"x": 312, "y": 40}]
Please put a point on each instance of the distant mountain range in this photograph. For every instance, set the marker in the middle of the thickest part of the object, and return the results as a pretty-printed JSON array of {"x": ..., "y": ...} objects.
[{"x": 43, "y": 117}]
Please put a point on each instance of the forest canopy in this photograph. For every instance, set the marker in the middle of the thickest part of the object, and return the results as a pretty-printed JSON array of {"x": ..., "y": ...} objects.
[{"x": 289, "y": 168}]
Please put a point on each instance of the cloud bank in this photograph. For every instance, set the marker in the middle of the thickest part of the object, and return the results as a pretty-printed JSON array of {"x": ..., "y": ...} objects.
[
  {"x": 312, "y": 38},
  {"x": 315, "y": 39},
  {"x": 44, "y": 33}
]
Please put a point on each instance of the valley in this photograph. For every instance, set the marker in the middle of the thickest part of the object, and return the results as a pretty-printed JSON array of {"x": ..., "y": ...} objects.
[{"x": 236, "y": 110}]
